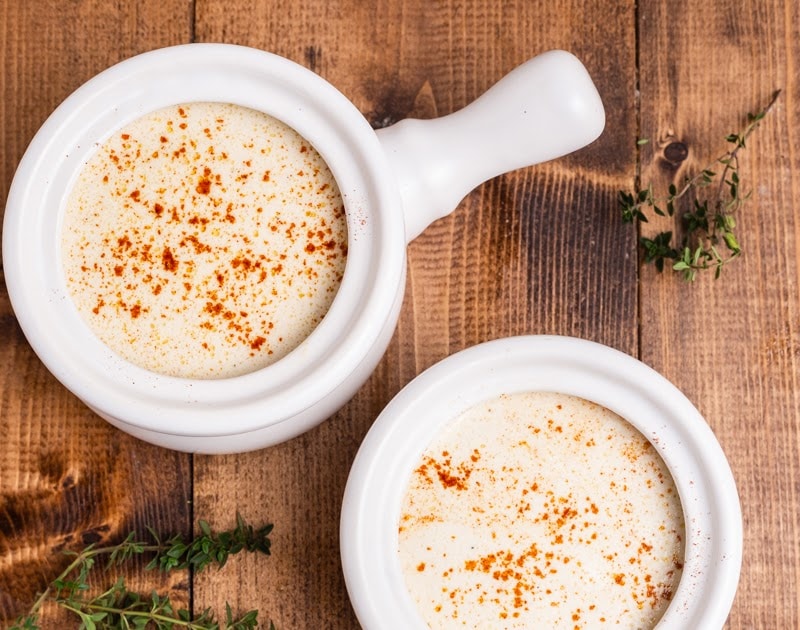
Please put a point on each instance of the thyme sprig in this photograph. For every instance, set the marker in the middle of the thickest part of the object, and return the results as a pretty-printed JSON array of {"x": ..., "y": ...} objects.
[
  {"x": 708, "y": 240},
  {"x": 118, "y": 608}
]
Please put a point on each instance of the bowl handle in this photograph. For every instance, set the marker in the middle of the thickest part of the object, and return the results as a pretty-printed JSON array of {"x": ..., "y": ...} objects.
[{"x": 541, "y": 110}]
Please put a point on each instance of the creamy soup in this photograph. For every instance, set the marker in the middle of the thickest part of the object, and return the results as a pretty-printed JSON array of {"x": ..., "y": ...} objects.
[
  {"x": 204, "y": 240},
  {"x": 540, "y": 510}
]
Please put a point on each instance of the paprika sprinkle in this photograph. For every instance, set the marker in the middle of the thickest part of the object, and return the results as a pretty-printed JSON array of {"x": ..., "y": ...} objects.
[
  {"x": 204, "y": 240},
  {"x": 541, "y": 510}
]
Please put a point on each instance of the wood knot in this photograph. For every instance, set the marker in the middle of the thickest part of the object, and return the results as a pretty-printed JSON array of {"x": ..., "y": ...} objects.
[
  {"x": 68, "y": 482},
  {"x": 676, "y": 152},
  {"x": 95, "y": 534},
  {"x": 313, "y": 55}
]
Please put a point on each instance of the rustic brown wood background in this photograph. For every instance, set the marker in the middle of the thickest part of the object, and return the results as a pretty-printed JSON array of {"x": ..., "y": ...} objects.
[{"x": 541, "y": 250}]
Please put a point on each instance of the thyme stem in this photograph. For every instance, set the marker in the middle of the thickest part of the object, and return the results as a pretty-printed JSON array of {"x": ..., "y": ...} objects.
[
  {"x": 709, "y": 224},
  {"x": 117, "y": 605}
]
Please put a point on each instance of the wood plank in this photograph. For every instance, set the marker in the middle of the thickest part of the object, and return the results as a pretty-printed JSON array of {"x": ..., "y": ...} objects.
[
  {"x": 734, "y": 345},
  {"x": 537, "y": 251},
  {"x": 540, "y": 250},
  {"x": 66, "y": 477}
]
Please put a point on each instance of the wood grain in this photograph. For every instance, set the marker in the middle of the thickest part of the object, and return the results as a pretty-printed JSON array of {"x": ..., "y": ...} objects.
[
  {"x": 66, "y": 477},
  {"x": 541, "y": 250},
  {"x": 535, "y": 251},
  {"x": 733, "y": 345}
]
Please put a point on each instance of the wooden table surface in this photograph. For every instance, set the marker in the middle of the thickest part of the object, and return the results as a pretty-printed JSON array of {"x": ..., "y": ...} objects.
[{"x": 540, "y": 250}]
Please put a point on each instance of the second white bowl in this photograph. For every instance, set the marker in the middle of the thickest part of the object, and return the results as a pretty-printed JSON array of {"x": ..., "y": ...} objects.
[{"x": 391, "y": 450}]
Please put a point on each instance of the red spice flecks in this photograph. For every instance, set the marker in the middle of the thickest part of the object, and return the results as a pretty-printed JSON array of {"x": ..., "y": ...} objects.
[
  {"x": 451, "y": 481},
  {"x": 198, "y": 246},
  {"x": 124, "y": 242},
  {"x": 450, "y": 476},
  {"x": 165, "y": 258},
  {"x": 214, "y": 308},
  {"x": 204, "y": 185},
  {"x": 229, "y": 217},
  {"x": 169, "y": 261},
  {"x": 195, "y": 220}
]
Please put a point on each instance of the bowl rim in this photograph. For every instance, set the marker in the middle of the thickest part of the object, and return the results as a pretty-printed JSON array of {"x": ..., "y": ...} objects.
[
  {"x": 568, "y": 365},
  {"x": 245, "y": 76}
]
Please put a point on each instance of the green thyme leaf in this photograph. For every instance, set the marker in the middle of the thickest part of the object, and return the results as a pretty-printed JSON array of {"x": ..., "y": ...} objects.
[
  {"x": 118, "y": 608},
  {"x": 708, "y": 222}
]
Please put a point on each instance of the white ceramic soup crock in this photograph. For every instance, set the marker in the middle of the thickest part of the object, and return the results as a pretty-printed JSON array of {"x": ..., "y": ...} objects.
[
  {"x": 392, "y": 448},
  {"x": 393, "y": 182}
]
